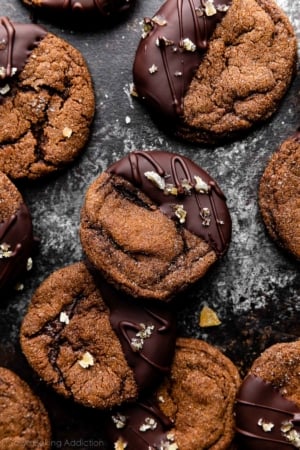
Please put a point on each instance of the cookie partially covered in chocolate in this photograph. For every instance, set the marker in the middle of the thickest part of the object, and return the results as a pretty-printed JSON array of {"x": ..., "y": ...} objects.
[
  {"x": 268, "y": 402},
  {"x": 279, "y": 195},
  {"x": 46, "y": 101},
  {"x": 16, "y": 234},
  {"x": 93, "y": 344},
  {"x": 153, "y": 223},
  {"x": 192, "y": 410},
  {"x": 210, "y": 70},
  {"x": 24, "y": 422}
]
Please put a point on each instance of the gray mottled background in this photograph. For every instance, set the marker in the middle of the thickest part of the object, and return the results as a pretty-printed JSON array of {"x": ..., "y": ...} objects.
[{"x": 255, "y": 289}]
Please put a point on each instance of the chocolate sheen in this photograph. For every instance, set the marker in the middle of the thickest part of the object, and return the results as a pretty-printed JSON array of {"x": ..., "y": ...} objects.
[
  {"x": 16, "y": 232},
  {"x": 259, "y": 401},
  {"x": 129, "y": 320},
  {"x": 207, "y": 215},
  {"x": 135, "y": 417},
  {"x": 164, "y": 66},
  {"x": 105, "y": 7},
  {"x": 17, "y": 40}
]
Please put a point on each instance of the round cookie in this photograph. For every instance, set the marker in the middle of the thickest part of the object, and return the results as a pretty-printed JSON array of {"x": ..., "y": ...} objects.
[
  {"x": 211, "y": 72},
  {"x": 24, "y": 423},
  {"x": 102, "y": 8},
  {"x": 91, "y": 343},
  {"x": 279, "y": 195},
  {"x": 153, "y": 223},
  {"x": 268, "y": 402},
  {"x": 47, "y": 101},
  {"x": 192, "y": 410},
  {"x": 16, "y": 235}
]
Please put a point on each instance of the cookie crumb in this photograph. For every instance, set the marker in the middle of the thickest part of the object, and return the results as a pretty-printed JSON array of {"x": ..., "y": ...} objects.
[
  {"x": 156, "y": 179},
  {"x": 29, "y": 264},
  {"x": 153, "y": 69},
  {"x": 201, "y": 186},
  {"x": 180, "y": 213},
  {"x": 188, "y": 45},
  {"x": 149, "y": 424},
  {"x": 5, "y": 251},
  {"x": 119, "y": 420},
  {"x": 208, "y": 317},
  {"x": 210, "y": 9},
  {"x": 266, "y": 426},
  {"x": 86, "y": 361},
  {"x": 5, "y": 89}
]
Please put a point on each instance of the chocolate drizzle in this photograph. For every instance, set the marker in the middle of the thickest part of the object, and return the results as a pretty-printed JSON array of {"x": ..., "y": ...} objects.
[
  {"x": 168, "y": 56},
  {"x": 258, "y": 402},
  {"x": 207, "y": 214},
  {"x": 16, "y": 233},
  {"x": 17, "y": 41},
  {"x": 153, "y": 357},
  {"x": 133, "y": 432}
]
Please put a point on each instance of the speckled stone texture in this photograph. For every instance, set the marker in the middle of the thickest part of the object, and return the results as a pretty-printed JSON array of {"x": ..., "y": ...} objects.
[{"x": 255, "y": 289}]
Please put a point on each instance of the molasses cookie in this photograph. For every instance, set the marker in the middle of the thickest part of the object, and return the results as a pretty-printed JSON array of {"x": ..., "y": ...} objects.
[
  {"x": 46, "y": 101},
  {"x": 16, "y": 238},
  {"x": 24, "y": 423},
  {"x": 153, "y": 223},
  {"x": 83, "y": 8},
  {"x": 192, "y": 410},
  {"x": 211, "y": 70},
  {"x": 279, "y": 195},
  {"x": 268, "y": 402},
  {"x": 100, "y": 354}
]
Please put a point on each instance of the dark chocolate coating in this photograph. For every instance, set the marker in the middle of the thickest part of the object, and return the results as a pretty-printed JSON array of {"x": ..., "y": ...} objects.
[
  {"x": 17, "y": 40},
  {"x": 163, "y": 47},
  {"x": 258, "y": 400},
  {"x": 135, "y": 416},
  {"x": 102, "y": 7},
  {"x": 17, "y": 233},
  {"x": 177, "y": 169},
  {"x": 127, "y": 318}
]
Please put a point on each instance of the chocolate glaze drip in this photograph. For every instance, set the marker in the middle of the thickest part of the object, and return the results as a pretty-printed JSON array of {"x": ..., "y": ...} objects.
[
  {"x": 105, "y": 7},
  {"x": 258, "y": 400},
  {"x": 17, "y": 41},
  {"x": 176, "y": 169},
  {"x": 16, "y": 232},
  {"x": 135, "y": 417},
  {"x": 128, "y": 317},
  {"x": 163, "y": 49}
]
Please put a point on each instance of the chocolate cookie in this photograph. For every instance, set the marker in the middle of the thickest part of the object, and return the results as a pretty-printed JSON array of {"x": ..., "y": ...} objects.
[
  {"x": 211, "y": 70},
  {"x": 279, "y": 195},
  {"x": 153, "y": 223},
  {"x": 192, "y": 410},
  {"x": 16, "y": 238},
  {"x": 102, "y": 8},
  {"x": 24, "y": 423},
  {"x": 100, "y": 354},
  {"x": 268, "y": 403},
  {"x": 46, "y": 101}
]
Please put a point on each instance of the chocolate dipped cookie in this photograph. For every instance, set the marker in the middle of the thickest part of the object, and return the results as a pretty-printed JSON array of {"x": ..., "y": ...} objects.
[
  {"x": 24, "y": 422},
  {"x": 153, "y": 223},
  {"x": 211, "y": 70},
  {"x": 279, "y": 195},
  {"x": 268, "y": 402},
  {"x": 83, "y": 8},
  {"x": 46, "y": 101},
  {"x": 16, "y": 234},
  {"x": 93, "y": 344},
  {"x": 192, "y": 410}
]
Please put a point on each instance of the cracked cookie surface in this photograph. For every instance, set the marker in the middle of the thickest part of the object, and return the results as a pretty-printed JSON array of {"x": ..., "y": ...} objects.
[
  {"x": 46, "y": 108},
  {"x": 153, "y": 223},
  {"x": 238, "y": 79},
  {"x": 96, "y": 354},
  {"x": 279, "y": 195},
  {"x": 24, "y": 423},
  {"x": 192, "y": 409}
]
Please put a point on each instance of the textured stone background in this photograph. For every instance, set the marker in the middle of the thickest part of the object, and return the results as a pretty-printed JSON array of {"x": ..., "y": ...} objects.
[{"x": 255, "y": 289}]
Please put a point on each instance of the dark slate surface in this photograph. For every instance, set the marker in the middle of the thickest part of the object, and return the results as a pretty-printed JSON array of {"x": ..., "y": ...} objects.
[{"x": 255, "y": 289}]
